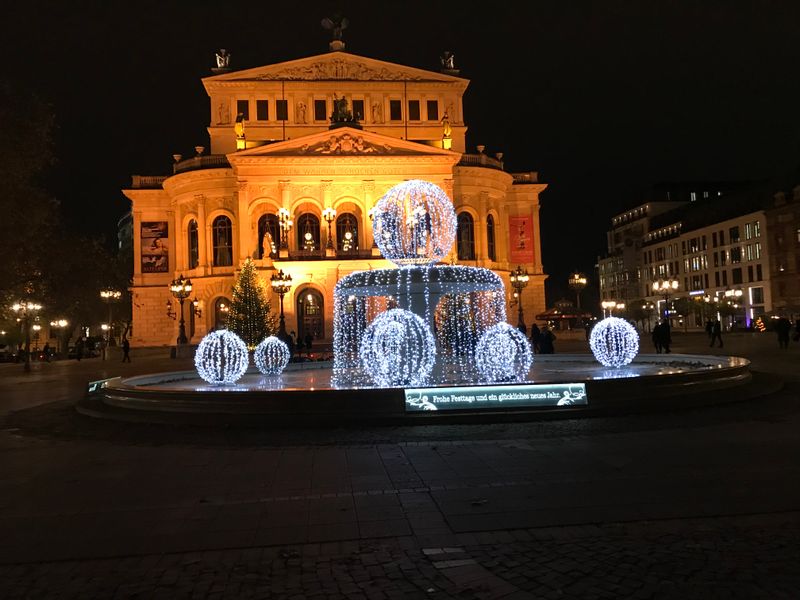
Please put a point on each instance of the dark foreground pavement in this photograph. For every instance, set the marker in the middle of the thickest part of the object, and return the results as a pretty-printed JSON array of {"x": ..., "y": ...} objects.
[{"x": 700, "y": 503}]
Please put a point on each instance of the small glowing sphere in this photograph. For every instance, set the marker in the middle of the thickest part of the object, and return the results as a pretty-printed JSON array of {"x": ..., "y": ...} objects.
[
  {"x": 414, "y": 223},
  {"x": 614, "y": 342},
  {"x": 271, "y": 356},
  {"x": 503, "y": 353},
  {"x": 397, "y": 348},
  {"x": 221, "y": 357}
]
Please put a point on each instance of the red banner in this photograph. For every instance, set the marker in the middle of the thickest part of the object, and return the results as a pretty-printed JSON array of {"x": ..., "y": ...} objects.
[{"x": 520, "y": 237}]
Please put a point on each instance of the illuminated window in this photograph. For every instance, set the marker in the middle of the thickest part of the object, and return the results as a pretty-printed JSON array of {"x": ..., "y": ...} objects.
[
  {"x": 222, "y": 307},
  {"x": 268, "y": 235},
  {"x": 466, "y": 236},
  {"x": 222, "y": 241},
  {"x": 308, "y": 232},
  {"x": 346, "y": 233},
  {"x": 194, "y": 247},
  {"x": 490, "y": 237}
]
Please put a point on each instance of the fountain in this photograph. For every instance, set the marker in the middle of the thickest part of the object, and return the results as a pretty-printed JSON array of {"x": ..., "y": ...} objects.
[{"x": 432, "y": 337}]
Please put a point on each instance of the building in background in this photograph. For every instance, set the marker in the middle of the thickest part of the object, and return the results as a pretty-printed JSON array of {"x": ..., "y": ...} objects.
[{"x": 300, "y": 152}]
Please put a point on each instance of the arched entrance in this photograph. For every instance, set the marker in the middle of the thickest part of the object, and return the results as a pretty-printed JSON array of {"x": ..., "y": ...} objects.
[
  {"x": 221, "y": 310},
  {"x": 310, "y": 315}
]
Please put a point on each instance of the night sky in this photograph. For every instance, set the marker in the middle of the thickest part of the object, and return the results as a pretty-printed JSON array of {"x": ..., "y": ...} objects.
[{"x": 602, "y": 98}]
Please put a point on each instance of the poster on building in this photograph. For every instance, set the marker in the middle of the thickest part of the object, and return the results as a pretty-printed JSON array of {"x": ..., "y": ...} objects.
[
  {"x": 155, "y": 247},
  {"x": 520, "y": 239}
]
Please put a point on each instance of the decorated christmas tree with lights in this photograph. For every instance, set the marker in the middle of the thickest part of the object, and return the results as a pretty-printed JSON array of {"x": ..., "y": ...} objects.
[{"x": 250, "y": 315}]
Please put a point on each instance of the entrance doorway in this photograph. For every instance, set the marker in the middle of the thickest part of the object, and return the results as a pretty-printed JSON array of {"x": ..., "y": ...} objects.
[{"x": 310, "y": 315}]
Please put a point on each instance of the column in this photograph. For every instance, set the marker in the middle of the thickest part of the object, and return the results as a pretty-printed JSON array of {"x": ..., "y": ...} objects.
[
  {"x": 137, "y": 247},
  {"x": 245, "y": 243},
  {"x": 202, "y": 239},
  {"x": 327, "y": 202},
  {"x": 366, "y": 222},
  {"x": 286, "y": 201}
]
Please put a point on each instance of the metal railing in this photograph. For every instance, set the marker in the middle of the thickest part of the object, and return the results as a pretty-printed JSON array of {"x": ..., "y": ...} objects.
[
  {"x": 210, "y": 161},
  {"x": 147, "y": 181}
]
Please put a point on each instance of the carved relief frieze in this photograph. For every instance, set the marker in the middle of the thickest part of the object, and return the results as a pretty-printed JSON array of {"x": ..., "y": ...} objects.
[
  {"x": 345, "y": 143},
  {"x": 339, "y": 68}
]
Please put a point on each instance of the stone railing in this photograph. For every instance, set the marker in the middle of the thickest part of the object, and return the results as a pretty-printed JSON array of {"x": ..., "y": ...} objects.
[
  {"x": 210, "y": 161},
  {"x": 480, "y": 160},
  {"x": 529, "y": 177},
  {"x": 147, "y": 181}
]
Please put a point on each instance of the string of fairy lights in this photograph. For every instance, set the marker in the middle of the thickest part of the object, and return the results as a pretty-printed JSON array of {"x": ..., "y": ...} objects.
[
  {"x": 614, "y": 342},
  {"x": 221, "y": 357},
  {"x": 503, "y": 354},
  {"x": 271, "y": 356}
]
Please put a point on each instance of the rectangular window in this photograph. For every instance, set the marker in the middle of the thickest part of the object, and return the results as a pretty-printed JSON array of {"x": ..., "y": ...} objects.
[
  {"x": 433, "y": 110},
  {"x": 759, "y": 275},
  {"x": 721, "y": 238},
  {"x": 716, "y": 278},
  {"x": 748, "y": 231},
  {"x": 749, "y": 252},
  {"x": 243, "y": 108},
  {"x": 757, "y": 229},
  {"x": 749, "y": 273},
  {"x": 705, "y": 276},
  {"x": 757, "y": 295},
  {"x": 736, "y": 276},
  {"x": 716, "y": 259},
  {"x": 757, "y": 250},
  {"x": 262, "y": 110},
  {"x": 683, "y": 246},
  {"x": 733, "y": 234},
  {"x": 413, "y": 110},
  {"x": 736, "y": 255},
  {"x": 395, "y": 110},
  {"x": 714, "y": 239},
  {"x": 282, "y": 110},
  {"x": 705, "y": 243},
  {"x": 724, "y": 278},
  {"x": 693, "y": 196},
  {"x": 358, "y": 110},
  {"x": 723, "y": 258},
  {"x": 320, "y": 110}
]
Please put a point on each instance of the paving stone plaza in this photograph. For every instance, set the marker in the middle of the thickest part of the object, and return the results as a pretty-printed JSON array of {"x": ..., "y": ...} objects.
[{"x": 682, "y": 503}]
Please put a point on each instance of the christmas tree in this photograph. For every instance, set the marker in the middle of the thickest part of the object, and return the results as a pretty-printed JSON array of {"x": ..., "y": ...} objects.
[{"x": 250, "y": 315}]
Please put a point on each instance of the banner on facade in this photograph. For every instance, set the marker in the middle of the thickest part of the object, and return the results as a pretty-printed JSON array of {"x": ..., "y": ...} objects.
[
  {"x": 495, "y": 396},
  {"x": 155, "y": 247},
  {"x": 520, "y": 239}
]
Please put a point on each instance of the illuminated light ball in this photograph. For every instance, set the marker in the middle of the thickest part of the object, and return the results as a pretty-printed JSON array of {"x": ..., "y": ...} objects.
[
  {"x": 614, "y": 342},
  {"x": 271, "y": 356},
  {"x": 503, "y": 353},
  {"x": 397, "y": 348},
  {"x": 414, "y": 223},
  {"x": 221, "y": 357}
]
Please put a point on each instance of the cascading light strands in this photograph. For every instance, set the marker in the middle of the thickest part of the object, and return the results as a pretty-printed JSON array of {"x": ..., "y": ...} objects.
[
  {"x": 271, "y": 356},
  {"x": 614, "y": 342},
  {"x": 398, "y": 348},
  {"x": 221, "y": 357},
  {"x": 503, "y": 353},
  {"x": 414, "y": 223}
]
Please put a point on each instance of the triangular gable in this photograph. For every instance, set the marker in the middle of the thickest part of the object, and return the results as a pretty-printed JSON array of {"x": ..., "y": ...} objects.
[
  {"x": 333, "y": 66},
  {"x": 344, "y": 141}
]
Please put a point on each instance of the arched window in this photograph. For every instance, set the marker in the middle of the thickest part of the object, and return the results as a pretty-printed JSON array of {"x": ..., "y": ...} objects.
[
  {"x": 490, "y": 237},
  {"x": 222, "y": 237},
  {"x": 194, "y": 246},
  {"x": 268, "y": 236},
  {"x": 222, "y": 307},
  {"x": 346, "y": 233},
  {"x": 310, "y": 315},
  {"x": 466, "y": 236},
  {"x": 308, "y": 233}
]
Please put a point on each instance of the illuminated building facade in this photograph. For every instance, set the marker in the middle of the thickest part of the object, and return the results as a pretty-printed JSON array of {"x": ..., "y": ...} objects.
[{"x": 300, "y": 152}]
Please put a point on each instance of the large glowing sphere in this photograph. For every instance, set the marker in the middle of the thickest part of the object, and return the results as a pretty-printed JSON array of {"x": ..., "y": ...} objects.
[
  {"x": 614, "y": 342},
  {"x": 221, "y": 357},
  {"x": 271, "y": 356},
  {"x": 503, "y": 353},
  {"x": 414, "y": 223},
  {"x": 397, "y": 348}
]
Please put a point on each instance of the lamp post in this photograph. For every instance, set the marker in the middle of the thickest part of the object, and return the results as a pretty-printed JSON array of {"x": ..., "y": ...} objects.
[
  {"x": 665, "y": 287},
  {"x": 285, "y": 222},
  {"x": 647, "y": 309},
  {"x": 109, "y": 296},
  {"x": 181, "y": 288},
  {"x": 59, "y": 324},
  {"x": 281, "y": 284},
  {"x": 577, "y": 281},
  {"x": 608, "y": 307},
  {"x": 519, "y": 281},
  {"x": 27, "y": 311},
  {"x": 329, "y": 214}
]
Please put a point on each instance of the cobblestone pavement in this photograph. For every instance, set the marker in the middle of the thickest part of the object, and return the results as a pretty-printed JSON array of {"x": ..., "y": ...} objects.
[{"x": 700, "y": 503}]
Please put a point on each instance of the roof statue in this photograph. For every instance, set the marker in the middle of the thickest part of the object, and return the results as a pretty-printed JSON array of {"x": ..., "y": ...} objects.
[
  {"x": 223, "y": 61},
  {"x": 336, "y": 24},
  {"x": 448, "y": 60}
]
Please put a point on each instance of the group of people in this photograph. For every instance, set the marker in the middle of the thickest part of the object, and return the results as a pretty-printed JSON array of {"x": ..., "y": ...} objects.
[
  {"x": 662, "y": 336},
  {"x": 714, "y": 331},
  {"x": 542, "y": 339}
]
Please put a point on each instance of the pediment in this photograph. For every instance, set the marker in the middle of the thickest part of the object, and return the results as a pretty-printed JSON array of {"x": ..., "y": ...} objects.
[
  {"x": 334, "y": 66},
  {"x": 344, "y": 141}
]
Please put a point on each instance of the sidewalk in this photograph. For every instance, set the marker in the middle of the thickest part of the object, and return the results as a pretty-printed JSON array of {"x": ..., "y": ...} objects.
[{"x": 687, "y": 504}]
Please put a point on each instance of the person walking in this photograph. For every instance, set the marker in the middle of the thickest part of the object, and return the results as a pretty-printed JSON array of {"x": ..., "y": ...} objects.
[
  {"x": 656, "y": 335},
  {"x": 79, "y": 348},
  {"x": 126, "y": 350},
  {"x": 546, "y": 340},
  {"x": 536, "y": 335},
  {"x": 716, "y": 333},
  {"x": 710, "y": 329},
  {"x": 46, "y": 351},
  {"x": 782, "y": 327},
  {"x": 664, "y": 335}
]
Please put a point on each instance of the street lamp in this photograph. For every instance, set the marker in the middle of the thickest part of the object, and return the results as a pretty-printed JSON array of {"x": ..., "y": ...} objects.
[
  {"x": 329, "y": 214},
  {"x": 665, "y": 287},
  {"x": 519, "y": 281},
  {"x": 734, "y": 298},
  {"x": 577, "y": 281},
  {"x": 109, "y": 296},
  {"x": 281, "y": 284},
  {"x": 26, "y": 312},
  {"x": 59, "y": 324},
  {"x": 181, "y": 288},
  {"x": 608, "y": 307},
  {"x": 285, "y": 222}
]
